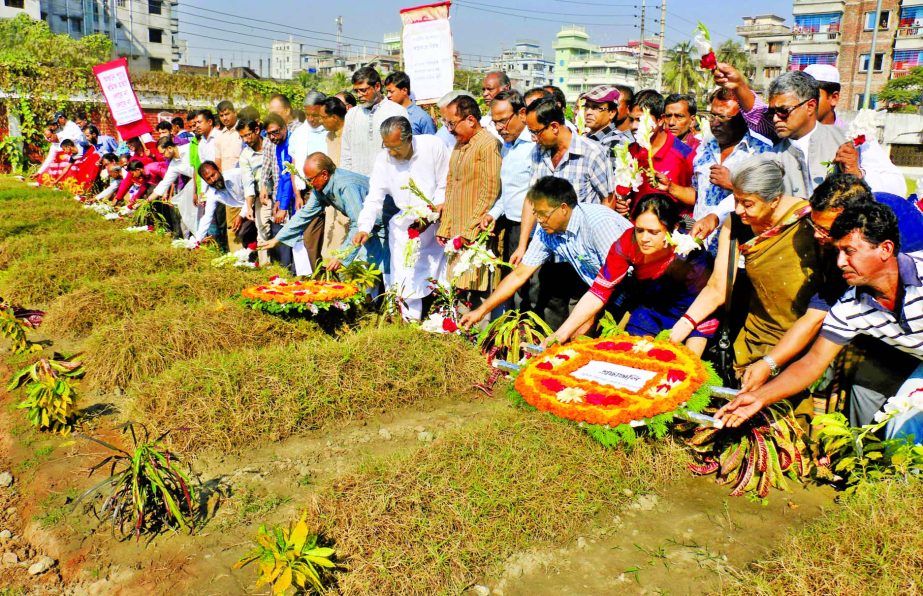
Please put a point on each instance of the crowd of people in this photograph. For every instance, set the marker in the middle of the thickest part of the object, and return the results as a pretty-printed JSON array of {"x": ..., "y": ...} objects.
[{"x": 809, "y": 240}]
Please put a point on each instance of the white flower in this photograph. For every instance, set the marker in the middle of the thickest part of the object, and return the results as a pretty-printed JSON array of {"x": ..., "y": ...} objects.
[
  {"x": 702, "y": 43},
  {"x": 433, "y": 323},
  {"x": 570, "y": 395},
  {"x": 278, "y": 281},
  {"x": 646, "y": 130},
  {"x": 135, "y": 229},
  {"x": 684, "y": 243},
  {"x": 184, "y": 243},
  {"x": 111, "y": 216},
  {"x": 341, "y": 305},
  {"x": 412, "y": 253},
  {"x": 643, "y": 346},
  {"x": 865, "y": 123},
  {"x": 627, "y": 172}
]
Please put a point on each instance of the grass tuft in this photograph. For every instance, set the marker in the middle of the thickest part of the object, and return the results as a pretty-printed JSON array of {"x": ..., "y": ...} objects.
[
  {"x": 137, "y": 348},
  {"x": 442, "y": 518},
  {"x": 231, "y": 399},
  {"x": 871, "y": 544}
]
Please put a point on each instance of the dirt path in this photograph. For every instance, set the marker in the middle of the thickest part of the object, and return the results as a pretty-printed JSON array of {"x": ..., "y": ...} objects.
[{"x": 679, "y": 542}]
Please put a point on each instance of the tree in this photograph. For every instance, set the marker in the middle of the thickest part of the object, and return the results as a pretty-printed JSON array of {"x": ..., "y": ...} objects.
[
  {"x": 735, "y": 55},
  {"x": 25, "y": 42},
  {"x": 470, "y": 81},
  {"x": 904, "y": 91},
  {"x": 681, "y": 72}
]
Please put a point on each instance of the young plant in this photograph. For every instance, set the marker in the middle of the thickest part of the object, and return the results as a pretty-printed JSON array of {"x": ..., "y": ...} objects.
[
  {"x": 149, "y": 213},
  {"x": 13, "y": 325},
  {"x": 859, "y": 456},
  {"x": 361, "y": 273},
  {"x": 503, "y": 338},
  {"x": 51, "y": 400},
  {"x": 755, "y": 456},
  {"x": 147, "y": 489},
  {"x": 289, "y": 558}
]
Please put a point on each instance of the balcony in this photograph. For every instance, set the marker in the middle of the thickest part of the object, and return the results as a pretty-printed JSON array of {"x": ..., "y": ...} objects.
[
  {"x": 830, "y": 33},
  {"x": 910, "y": 31}
]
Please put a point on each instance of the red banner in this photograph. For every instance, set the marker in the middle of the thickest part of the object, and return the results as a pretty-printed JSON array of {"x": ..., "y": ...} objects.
[{"x": 124, "y": 106}]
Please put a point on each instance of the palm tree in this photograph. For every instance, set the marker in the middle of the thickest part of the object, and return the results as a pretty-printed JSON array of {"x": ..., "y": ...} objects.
[
  {"x": 735, "y": 55},
  {"x": 681, "y": 73}
]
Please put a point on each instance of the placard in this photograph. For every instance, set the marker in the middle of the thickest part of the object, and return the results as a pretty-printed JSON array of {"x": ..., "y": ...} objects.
[
  {"x": 115, "y": 84},
  {"x": 614, "y": 375},
  {"x": 426, "y": 44}
]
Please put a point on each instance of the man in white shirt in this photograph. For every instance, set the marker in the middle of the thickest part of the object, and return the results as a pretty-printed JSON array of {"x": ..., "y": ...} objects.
[
  {"x": 179, "y": 169},
  {"x": 425, "y": 159},
  {"x": 495, "y": 82},
  {"x": 361, "y": 138},
  {"x": 68, "y": 129},
  {"x": 225, "y": 188},
  {"x": 310, "y": 137}
]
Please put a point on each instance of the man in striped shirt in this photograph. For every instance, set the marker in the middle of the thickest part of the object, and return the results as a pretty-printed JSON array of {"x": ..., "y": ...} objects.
[{"x": 884, "y": 302}]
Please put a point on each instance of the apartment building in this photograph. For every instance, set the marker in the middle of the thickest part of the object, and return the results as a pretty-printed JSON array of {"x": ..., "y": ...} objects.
[
  {"x": 525, "y": 65},
  {"x": 767, "y": 40},
  {"x": 579, "y": 65},
  {"x": 12, "y": 8}
]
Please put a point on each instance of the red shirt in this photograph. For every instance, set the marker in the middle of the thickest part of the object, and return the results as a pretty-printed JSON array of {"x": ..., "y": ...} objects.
[
  {"x": 674, "y": 159},
  {"x": 623, "y": 254}
]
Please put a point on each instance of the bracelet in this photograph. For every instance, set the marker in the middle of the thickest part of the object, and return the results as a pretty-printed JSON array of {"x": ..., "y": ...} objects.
[
  {"x": 773, "y": 365},
  {"x": 691, "y": 321}
]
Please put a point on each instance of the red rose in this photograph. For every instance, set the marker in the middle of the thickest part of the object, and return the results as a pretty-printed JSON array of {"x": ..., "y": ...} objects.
[
  {"x": 622, "y": 191},
  {"x": 615, "y": 347},
  {"x": 708, "y": 61},
  {"x": 553, "y": 385},
  {"x": 662, "y": 355},
  {"x": 413, "y": 233},
  {"x": 252, "y": 246},
  {"x": 274, "y": 278},
  {"x": 675, "y": 376},
  {"x": 562, "y": 356},
  {"x": 150, "y": 228},
  {"x": 449, "y": 326},
  {"x": 544, "y": 365},
  {"x": 859, "y": 140},
  {"x": 458, "y": 242}
]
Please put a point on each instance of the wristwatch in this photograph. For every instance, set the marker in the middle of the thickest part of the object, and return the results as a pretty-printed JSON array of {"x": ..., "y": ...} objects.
[{"x": 773, "y": 367}]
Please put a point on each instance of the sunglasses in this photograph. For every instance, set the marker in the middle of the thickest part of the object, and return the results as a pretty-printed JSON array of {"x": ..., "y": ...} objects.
[{"x": 783, "y": 112}]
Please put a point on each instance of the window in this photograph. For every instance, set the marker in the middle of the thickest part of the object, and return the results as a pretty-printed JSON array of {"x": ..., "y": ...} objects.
[
  {"x": 817, "y": 23},
  {"x": 771, "y": 72},
  {"x": 154, "y": 7},
  {"x": 907, "y": 155},
  {"x": 907, "y": 59},
  {"x": 873, "y": 103},
  {"x": 155, "y": 35},
  {"x": 15, "y": 3},
  {"x": 157, "y": 64},
  {"x": 76, "y": 26},
  {"x": 774, "y": 47},
  {"x": 121, "y": 3},
  {"x": 754, "y": 48},
  {"x": 802, "y": 61},
  {"x": 882, "y": 22},
  {"x": 864, "y": 62}
]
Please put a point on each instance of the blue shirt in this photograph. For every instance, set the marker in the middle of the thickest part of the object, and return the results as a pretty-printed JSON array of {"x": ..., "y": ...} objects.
[
  {"x": 420, "y": 122},
  {"x": 590, "y": 233},
  {"x": 285, "y": 189},
  {"x": 909, "y": 220},
  {"x": 515, "y": 176},
  {"x": 446, "y": 137},
  {"x": 345, "y": 192},
  {"x": 105, "y": 144}
]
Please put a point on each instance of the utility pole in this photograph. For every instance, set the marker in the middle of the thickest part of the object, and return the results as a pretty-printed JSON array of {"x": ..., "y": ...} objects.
[
  {"x": 339, "y": 22},
  {"x": 641, "y": 45},
  {"x": 871, "y": 64},
  {"x": 663, "y": 26}
]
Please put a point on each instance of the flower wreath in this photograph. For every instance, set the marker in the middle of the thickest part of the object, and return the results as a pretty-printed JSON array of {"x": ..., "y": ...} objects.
[
  {"x": 669, "y": 377},
  {"x": 281, "y": 296}
]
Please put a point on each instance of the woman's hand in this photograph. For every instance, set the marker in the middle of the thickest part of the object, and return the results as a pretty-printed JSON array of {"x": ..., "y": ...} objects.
[{"x": 680, "y": 331}]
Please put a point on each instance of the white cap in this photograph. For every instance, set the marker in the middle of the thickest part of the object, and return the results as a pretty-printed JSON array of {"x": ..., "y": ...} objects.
[{"x": 824, "y": 73}]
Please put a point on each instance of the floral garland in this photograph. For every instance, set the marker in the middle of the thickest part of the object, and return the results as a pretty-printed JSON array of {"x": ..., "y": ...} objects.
[
  {"x": 281, "y": 296},
  {"x": 472, "y": 255},
  {"x": 678, "y": 380}
]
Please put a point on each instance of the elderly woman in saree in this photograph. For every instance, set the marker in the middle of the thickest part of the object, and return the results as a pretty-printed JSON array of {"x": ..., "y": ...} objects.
[{"x": 768, "y": 238}]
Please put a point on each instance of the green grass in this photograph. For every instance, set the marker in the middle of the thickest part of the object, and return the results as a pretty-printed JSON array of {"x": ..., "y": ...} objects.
[
  {"x": 438, "y": 520},
  {"x": 871, "y": 544},
  {"x": 249, "y": 505},
  {"x": 137, "y": 348},
  {"x": 237, "y": 397},
  {"x": 55, "y": 508}
]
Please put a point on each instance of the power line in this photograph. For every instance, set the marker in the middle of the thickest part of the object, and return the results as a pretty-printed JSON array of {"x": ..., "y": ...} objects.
[
  {"x": 556, "y": 12},
  {"x": 529, "y": 18}
]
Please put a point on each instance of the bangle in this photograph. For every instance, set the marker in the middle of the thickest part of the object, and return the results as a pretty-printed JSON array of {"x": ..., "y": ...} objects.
[{"x": 691, "y": 320}]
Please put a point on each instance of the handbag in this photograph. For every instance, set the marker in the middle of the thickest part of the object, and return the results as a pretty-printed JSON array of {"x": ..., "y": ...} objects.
[{"x": 721, "y": 352}]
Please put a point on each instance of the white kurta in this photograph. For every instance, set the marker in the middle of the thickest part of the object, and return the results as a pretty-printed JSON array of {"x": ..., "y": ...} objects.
[
  {"x": 305, "y": 141},
  {"x": 429, "y": 168},
  {"x": 362, "y": 135}
]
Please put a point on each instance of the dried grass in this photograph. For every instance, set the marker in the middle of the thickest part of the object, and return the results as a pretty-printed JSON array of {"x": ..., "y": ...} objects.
[
  {"x": 438, "y": 520},
  {"x": 232, "y": 399},
  {"x": 136, "y": 349},
  {"x": 101, "y": 302},
  {"x": 871, "y": 544}
]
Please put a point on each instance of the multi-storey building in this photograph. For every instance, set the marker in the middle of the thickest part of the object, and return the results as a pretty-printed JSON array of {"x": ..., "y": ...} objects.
[
  {"x": 525, "y": 65},
  {"x": 286, "y": 59},
  {"x": 767, "y": 39},
  {"x": 144, "y": 31},
  {"x": 579, "y": 65},
  {"x": 13, "y": 8}
]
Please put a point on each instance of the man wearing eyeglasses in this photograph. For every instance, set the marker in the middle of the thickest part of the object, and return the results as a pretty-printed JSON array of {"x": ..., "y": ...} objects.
[
  {"x": 808, "y": 146},
  {"x": 602, "y": 105},
  {"x": 579, "y": 234},
  {"x": 361, "y": 139},
  {"x": 730, "y": 142}
]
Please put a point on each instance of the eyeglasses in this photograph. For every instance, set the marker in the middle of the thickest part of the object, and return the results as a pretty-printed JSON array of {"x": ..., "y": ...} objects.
[
  {"x": 453, "y": 125},
  {"x": 783, "y": 112},
  {"x": 536, "y": 133},
  {"x": 273, "y": 133},
  {"x": 719, "y": 118},
  {"x": 596, "y": 108},
  {"x": 822, "y": 232},
  {"x": 310, "y": 179},
  {"x": 498, "y": 124},
  {"x": 542, "y": 218}
]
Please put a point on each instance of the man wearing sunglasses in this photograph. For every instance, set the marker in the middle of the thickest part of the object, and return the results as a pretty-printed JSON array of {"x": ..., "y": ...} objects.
[{"x": 808, "y": 146}]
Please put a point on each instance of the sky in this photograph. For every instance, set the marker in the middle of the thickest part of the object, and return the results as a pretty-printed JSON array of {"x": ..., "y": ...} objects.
[{"x": 242, "y": 30}]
